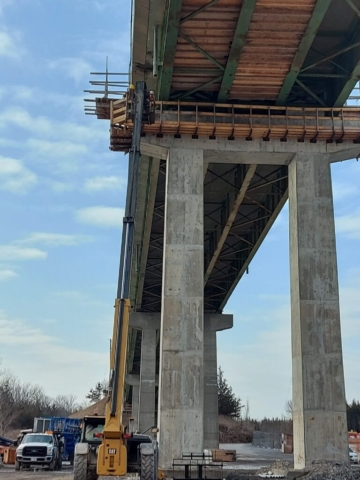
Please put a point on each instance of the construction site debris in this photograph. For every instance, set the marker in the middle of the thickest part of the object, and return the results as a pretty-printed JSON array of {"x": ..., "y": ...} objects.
[
  {"x": 278, "y": 469},
  {"x": 332, "y": 471},
  {"x": 221, "y": 455}
]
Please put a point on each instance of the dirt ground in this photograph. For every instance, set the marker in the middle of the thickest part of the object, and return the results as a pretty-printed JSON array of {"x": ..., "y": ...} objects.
[{"x": 8, "y": 473}]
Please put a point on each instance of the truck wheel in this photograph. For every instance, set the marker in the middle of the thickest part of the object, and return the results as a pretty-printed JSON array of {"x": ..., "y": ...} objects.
[
  {"x": 80, "y": 467},
  {"x": 17, "y": 465},
  {"x": 148, "y": 467},
  {"x": 52, "y": 465}
]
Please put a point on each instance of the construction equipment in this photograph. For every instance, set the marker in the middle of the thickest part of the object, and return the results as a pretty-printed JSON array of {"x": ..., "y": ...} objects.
[
  {"x": 104, "y": 441},
  {"x": 67, "y": 428},
  {"x": 6, "y": 446}
]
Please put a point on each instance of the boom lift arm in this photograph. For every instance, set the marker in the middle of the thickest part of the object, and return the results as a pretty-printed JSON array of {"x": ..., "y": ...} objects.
[{"x": 112, "y": 455}]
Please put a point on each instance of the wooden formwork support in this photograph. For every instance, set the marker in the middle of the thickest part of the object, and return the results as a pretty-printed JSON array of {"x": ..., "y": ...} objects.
[{"x": 238, "y": 121}]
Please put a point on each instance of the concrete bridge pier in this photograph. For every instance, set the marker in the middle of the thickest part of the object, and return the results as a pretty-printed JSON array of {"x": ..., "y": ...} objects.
[
  {"x": 181, "y": 382},
  {"x": 149, "y": 324},
  {"x": 144, "y": 385},
  {"x": 213, "y": 323},
  {"x": 319, "y": 407}
]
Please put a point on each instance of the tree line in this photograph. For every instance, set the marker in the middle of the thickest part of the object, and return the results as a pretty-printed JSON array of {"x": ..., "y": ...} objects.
[{"x": 20, "y": 403}]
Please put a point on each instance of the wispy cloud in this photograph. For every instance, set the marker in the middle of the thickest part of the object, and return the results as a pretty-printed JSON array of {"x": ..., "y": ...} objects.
[
  {"x": 98, "y": 184},
  {"x": 101, "y": 216},
  {"x": 55, "y": 239},
  {"x": 7, "y": 275},
  {"x": 58, "y": 186},
  {"x": 343, "y": 190},
  {"x": 18, "y": 253},
  {"x": 76, "y": 68},
  {"x": 15, "y": 177},
  {"x": 62, "y": 149},
  {"x": 11, "y": 44},
  {"x": 47, "y": 128},
  {"x": 349, "y": 225},
  {"x": 58, "y": 357}
]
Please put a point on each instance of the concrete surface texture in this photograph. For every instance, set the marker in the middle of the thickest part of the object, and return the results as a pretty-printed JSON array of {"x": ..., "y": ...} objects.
[
  {"x": 181, "y": 382},
  {"x": 319, "y": 408},
  {"x": 213, "y": 324},
  {"x": 147, "y": 380}
]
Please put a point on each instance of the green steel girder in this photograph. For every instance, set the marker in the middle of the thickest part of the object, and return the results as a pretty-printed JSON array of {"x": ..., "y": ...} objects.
[
  {"x": 354, "y": 7},
  {"x": 201, "y": 50},
  {"x": 312, "y": 28},
  {"x": 237, "y": 46},
  {"x": 348, "y": 86},
  {"x": 310, "y": 92},
  {"x": 351, "y": 59},
  {"x": 196, "y": 89},
  {"x": 199, "y": 10},
  {"x": 169, "y": 36}
]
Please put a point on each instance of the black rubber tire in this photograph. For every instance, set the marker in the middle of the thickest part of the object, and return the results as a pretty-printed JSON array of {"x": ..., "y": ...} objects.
[
  {"x": 147, "y": 471},
  {"x": 52, "y": 465},
  {"x": 80, "y": 467},
  {"x": 17, "y": 465}
]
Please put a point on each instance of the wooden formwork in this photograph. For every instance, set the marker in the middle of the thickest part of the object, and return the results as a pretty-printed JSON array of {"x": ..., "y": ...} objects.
[{"x": 238, "y": 121}]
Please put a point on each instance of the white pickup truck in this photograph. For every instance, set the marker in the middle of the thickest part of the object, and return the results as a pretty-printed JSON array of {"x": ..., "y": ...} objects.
[{"x": 39, "y": 449}]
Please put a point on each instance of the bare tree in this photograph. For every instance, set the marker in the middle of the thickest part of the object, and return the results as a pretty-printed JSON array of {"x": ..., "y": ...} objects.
[
  {"x": 65, "y": 404},
  {"x": 247, "y": 410},
  {"x": 10, "y": 394},
  {"x": 289, "y": 408}
]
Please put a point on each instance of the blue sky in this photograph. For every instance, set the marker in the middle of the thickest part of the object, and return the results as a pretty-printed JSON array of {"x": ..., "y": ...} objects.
[{"x": 62, "y": 195}]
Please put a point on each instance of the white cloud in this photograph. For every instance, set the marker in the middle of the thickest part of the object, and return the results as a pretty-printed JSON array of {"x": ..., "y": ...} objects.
[
  {"x": 349, "y": 225},
  {"x": 7, "y": 275},
  {"x": 59, "y": 187},
  {"x": 68, "y": 152},
  {"x": 10, "y": 44},
  {"x": 98, "y": 184},
  {"x": 76, "y": 68},
  {"x": 14, "y": 176},
  {"x": 101, "y": 216},
  {"x": 46, "y": 128},
  {"x": 55, "y": 239},
  {"x": 15, "y": 252},
  {"x": 58, "y": 358}
]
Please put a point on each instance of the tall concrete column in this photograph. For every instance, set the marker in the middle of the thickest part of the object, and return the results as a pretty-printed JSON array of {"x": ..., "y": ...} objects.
[
  {"x": 135, "y": 406},
  {"x": 148, "y": 323},
  {"x": 319, "y": 407},
  {"x": 213, "y": 323},
  {"x": 181, "y": 382}
]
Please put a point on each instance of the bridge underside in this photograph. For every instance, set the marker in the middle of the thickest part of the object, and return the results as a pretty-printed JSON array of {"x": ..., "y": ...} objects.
[
  {"x": 249, "y": 51},
  {"x": 239, "y": 208}
]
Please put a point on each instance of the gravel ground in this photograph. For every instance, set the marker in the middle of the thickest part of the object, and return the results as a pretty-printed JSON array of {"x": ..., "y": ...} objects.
[{"x": 9, "y": 473}]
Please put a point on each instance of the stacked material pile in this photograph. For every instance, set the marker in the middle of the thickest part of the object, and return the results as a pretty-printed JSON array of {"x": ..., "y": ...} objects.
[{"x": 332, "y": 471}]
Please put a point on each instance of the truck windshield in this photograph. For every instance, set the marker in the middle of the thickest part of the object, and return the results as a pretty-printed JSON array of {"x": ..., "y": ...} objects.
[{"x": 37, "y": 439}]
